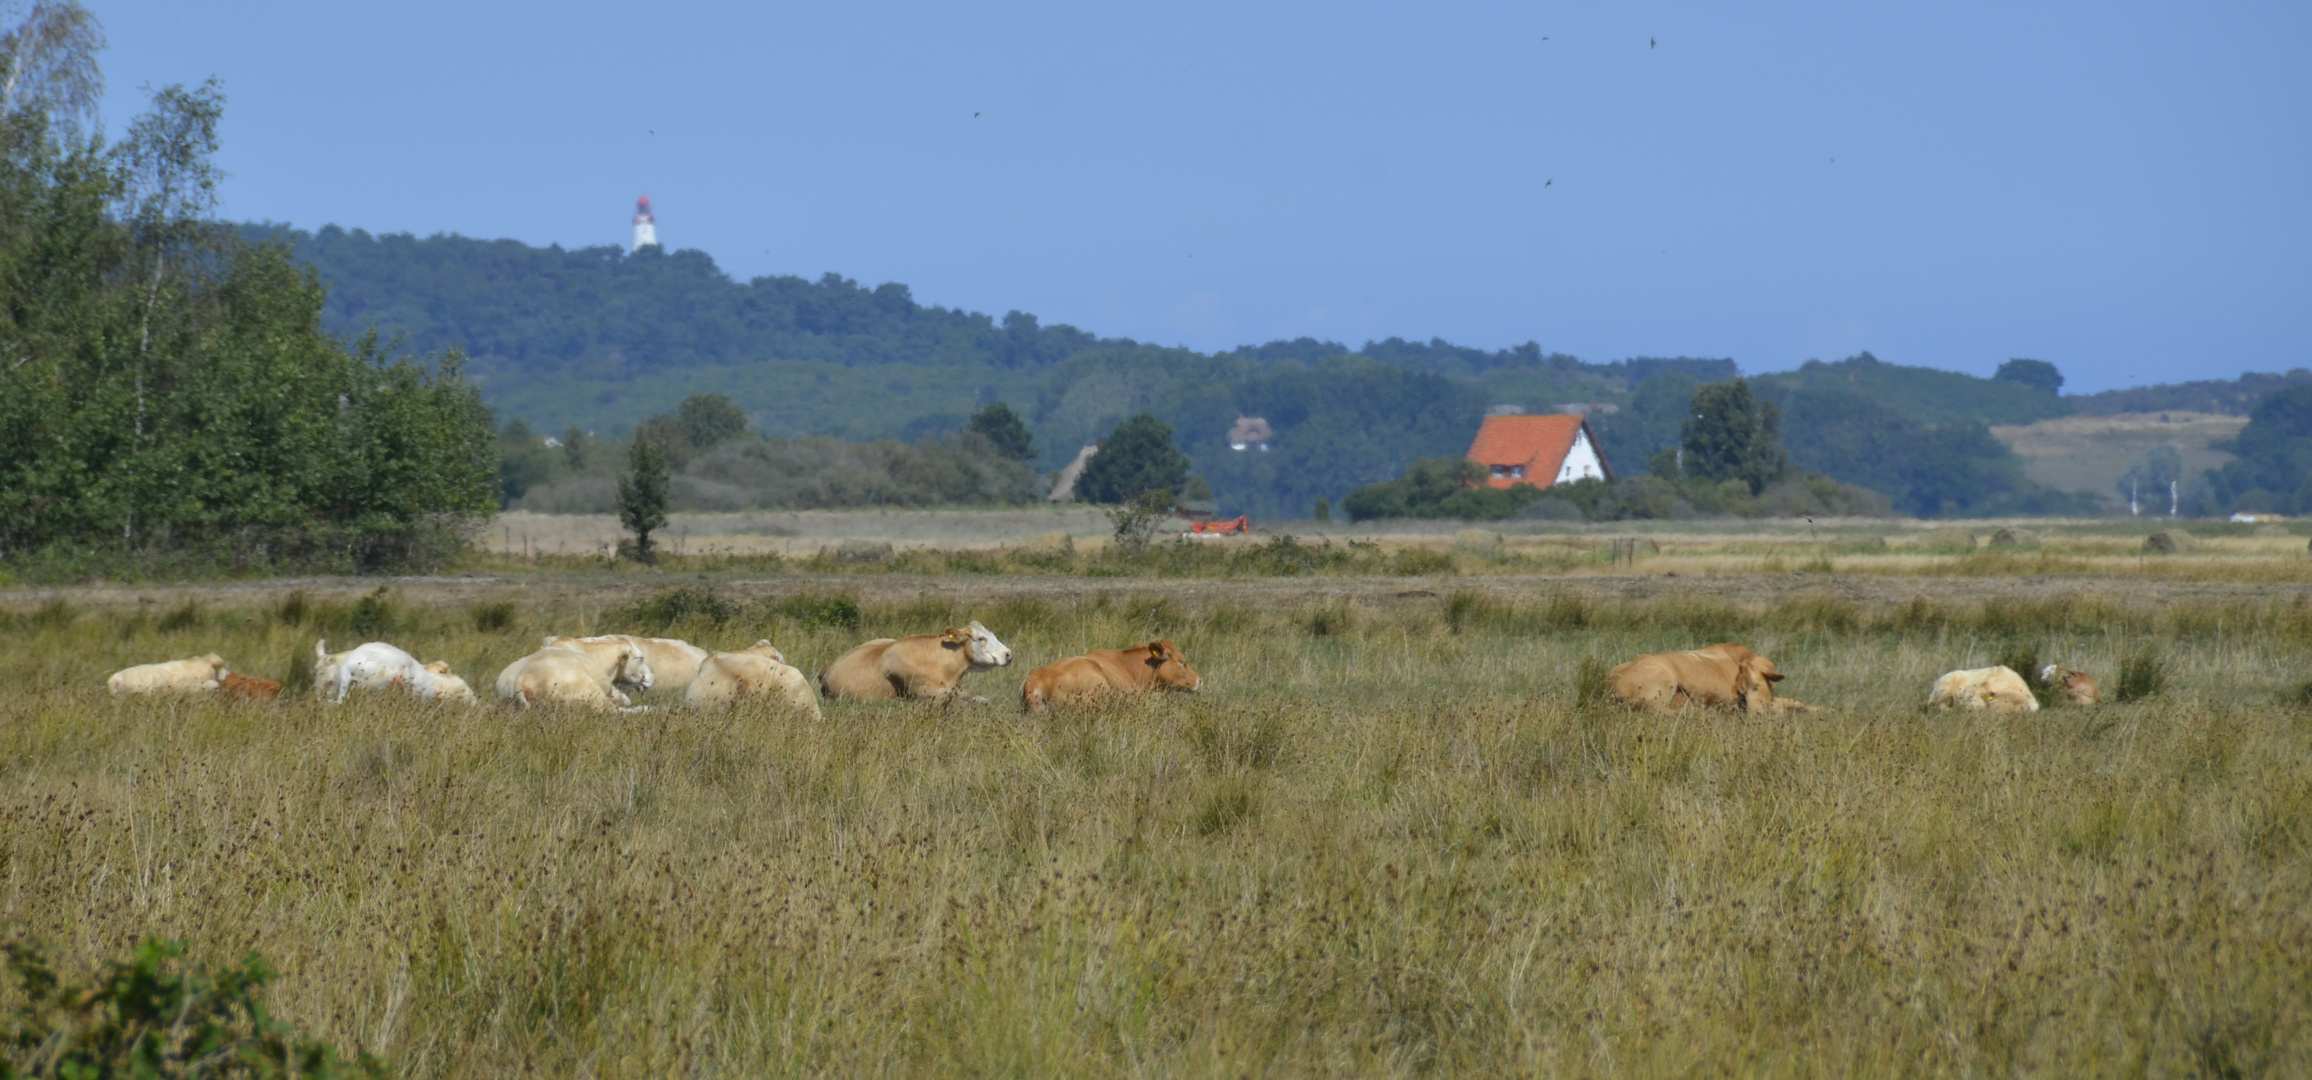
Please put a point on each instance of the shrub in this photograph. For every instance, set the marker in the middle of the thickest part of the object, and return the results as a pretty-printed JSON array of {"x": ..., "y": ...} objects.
[
  {"x": 836, "y": 611},
  {"x": 2141, "y": 675},
  {"x": 372, "y": 614},
  {"x": 150, "y": 1016},
  {"x": 674, "y": 606}
]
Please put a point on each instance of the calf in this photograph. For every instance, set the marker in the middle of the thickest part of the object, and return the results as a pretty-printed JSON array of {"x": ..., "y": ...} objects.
[
  {"x": 924, "y": 666},
  {"x": 757, "y": 672},
  {"x": 196, "y": 675},
  {"x": 2079, "y": 686},
  {"x": 1158, "y": 665},
  {"x": 249, "y": 687}
]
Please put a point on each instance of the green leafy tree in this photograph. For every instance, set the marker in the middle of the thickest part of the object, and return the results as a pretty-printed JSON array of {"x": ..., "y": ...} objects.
[
  {"x": 643, "y": 494},
  {"x": 665, "y": 429},
  {"x": 2036, "y": 374},
  {"x": 1004, "y": 430},
  {"x": 708, "y": 420},
  {"x": 2273, "y": 470},
  {"x": 1730, "y": 435},
  {"x": 1138, "y": 456}
]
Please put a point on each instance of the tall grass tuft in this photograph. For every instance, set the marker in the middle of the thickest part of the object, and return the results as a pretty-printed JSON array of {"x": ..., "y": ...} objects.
[
  {"x": 184, "y": 616},
  {"x": 54, "y": 614},
  {"x": 2023, "y": 659},
  {"x": 2142, "y": 674},
  {"x": 1593, "y": 683},
  {"x": 493, "y": 617},
  {"x": 295, "y": 609}
]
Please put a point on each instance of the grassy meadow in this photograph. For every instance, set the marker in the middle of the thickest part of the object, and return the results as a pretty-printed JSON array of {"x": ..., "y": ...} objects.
[{"x": 1397, "y": 834}]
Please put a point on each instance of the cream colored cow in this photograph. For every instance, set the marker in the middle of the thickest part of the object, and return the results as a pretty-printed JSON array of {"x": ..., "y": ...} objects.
[
  {"x": 1998, "y": 689},
  {"x": 923, "y": 666},
  {"x": 759, "y": 672},
  {"x": 198, "y": 675},
  {"x": 571, "y": 677},
  {"x": 673, "y": 662}
]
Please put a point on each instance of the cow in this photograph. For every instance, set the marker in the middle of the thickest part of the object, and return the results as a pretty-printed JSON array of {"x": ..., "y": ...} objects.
[
  {"x": 924, "y": 666},
  {"x": 570, "y": 676},
  {"x": 199, "y": 674},
  {"x": 1722, "y": 676},
  {"x": 374, "y": 665},
  {"x": 759, "y": 671},
  {"x": 2079, "y": 686},
  {"x": 1998, "y": 689},
  {"x": 1156, "y": 665},
  {"x": 673, "y": 662},
  {"x": 249, "y": 687}
]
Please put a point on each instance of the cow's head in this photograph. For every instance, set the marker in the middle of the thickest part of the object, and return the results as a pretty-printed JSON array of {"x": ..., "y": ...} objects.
[
  {"x": 1169, "y": 667},
  {"x": 1754, "y": 680},
  {"x": 216, "y": 664},
  {"x": 630, "y": 669},
  {"x": 980, "y": 647}
]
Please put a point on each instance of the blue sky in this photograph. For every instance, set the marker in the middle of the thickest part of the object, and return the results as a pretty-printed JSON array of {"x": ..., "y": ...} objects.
[{"x": 2124, "y": 189}]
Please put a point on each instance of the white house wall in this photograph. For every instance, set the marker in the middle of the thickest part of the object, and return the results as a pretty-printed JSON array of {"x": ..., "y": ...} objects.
[{"x": 1581, "y": 462}]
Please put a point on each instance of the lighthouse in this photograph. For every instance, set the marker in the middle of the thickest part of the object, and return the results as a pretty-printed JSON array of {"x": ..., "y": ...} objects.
[{"x": 645, "y": 226}]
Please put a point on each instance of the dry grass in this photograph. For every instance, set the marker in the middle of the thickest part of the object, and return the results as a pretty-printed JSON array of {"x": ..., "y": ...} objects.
[{"x": 1385, "y": 841}]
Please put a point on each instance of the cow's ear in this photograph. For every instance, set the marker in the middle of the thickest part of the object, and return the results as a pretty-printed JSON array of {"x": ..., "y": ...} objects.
[
  {"x": 1155, "y": 652},
  {"x": 1772, "y": 676},
  {"x": 956, "y": 635}
]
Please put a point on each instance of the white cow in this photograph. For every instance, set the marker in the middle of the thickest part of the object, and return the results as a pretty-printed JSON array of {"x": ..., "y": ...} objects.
[
  {"x": 376, "y": 665},
  {"x": 197, "y": 675}
]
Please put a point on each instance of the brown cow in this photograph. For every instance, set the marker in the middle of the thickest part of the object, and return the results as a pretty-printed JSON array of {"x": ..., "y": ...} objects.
[
  {"x": 1157, "y": 665},
  {"x": 924, "y": 666},
  {"x": 1722, "y": 676},
  {"x": 249, "y": 687},
  {"x": 2079, "y": 686}
]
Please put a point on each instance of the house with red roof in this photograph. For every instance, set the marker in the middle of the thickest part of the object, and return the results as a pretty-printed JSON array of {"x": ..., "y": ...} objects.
[{"x": 1538, "y": 450}]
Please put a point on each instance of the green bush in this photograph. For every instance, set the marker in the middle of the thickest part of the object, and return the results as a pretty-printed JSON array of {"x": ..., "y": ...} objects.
[{"x": 152, "y": 1017}]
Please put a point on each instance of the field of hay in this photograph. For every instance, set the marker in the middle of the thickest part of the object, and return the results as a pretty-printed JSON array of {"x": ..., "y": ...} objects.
[{"x": 1396, "y": 834}]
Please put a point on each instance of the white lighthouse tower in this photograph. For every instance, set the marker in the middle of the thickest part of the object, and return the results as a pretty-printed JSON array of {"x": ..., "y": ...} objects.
[{"x": 645, "y": 226}]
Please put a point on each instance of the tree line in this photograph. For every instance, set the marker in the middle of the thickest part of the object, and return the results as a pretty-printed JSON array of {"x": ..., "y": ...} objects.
[{"x": 169, "y": 397}]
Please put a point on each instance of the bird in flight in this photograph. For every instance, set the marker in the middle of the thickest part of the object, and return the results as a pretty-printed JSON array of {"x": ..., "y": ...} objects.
[
  {"x": 1549, "y": 181},
  {"x": 1649, "y": 43},
  {"x": 975, "y": 116}
]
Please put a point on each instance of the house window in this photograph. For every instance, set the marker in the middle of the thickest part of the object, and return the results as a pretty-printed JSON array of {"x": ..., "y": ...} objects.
[
  {"x": 1517, "y": 472},
  {"x": 1501, "y": 470}
]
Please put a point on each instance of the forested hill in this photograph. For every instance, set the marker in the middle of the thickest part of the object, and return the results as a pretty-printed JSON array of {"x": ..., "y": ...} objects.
[{"x": 600, "y": 339}]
